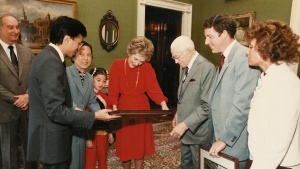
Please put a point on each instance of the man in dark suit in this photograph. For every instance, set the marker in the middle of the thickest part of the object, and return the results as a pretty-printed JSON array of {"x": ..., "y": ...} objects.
[
  {"x": 51, "y": 116},
  {"x": 232, "y": 90},
  {"x": 190, "y": 122},
  {"x": 14, "y": 70}
]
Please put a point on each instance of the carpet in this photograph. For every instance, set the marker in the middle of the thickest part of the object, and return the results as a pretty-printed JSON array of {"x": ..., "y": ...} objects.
[{"x": 167, "y": 154}]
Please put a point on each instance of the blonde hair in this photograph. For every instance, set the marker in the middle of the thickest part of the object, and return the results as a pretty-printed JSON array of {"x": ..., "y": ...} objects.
[{"x": 141, "y": 45}]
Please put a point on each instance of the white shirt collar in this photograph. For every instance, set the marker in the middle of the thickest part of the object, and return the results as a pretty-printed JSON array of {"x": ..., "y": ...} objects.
[
  {"x": 228, "y": 49},
  {"x": 7, "y": 51},
  {"x": 192, "y": 60},
  {"x": 61, "y": 55}
]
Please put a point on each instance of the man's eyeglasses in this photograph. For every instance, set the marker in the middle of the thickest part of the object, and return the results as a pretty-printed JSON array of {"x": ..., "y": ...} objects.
[
  {"x": 80, "y": 45},
  {"x": 177, "y": 56}
]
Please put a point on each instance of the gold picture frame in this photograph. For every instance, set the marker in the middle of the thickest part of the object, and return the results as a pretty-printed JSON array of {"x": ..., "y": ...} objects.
[
  {"x": 206, "y": 161},
  {"x": 35, "y": 18},
  {"x": 244, "y": 21}
]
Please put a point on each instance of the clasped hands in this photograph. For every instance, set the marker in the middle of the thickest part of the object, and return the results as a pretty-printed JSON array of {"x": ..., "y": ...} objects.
[{"x": 22, "y": 101}]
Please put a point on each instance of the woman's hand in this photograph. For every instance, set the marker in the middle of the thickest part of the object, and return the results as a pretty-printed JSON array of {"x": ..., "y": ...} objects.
[
  {"x": 89, "y": 143},
  {"x": 164, "y": 105},
  {"x": 114, "y": 108},
  {"x": 110, "y": 138}
]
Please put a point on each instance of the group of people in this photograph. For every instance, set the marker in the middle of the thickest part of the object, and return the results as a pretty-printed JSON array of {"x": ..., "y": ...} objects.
[
  {"x": 251, "y": 100},
  {"x": 247, "y": 108}
]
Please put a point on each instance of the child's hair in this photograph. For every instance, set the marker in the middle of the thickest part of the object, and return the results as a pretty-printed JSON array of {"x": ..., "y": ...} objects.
[{"x": 98, "y": 70}]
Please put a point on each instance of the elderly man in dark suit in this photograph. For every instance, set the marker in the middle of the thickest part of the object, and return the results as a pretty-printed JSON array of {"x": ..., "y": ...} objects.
[
  {"x": 190, "y": 122},
  {"x": 15, "y": 61},
  {"x": 51, "y": 116}
]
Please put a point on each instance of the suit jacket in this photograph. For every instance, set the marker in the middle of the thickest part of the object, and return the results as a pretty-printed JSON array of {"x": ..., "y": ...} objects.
[
  {"x": 83, "y": 96},
  {"x": 51, "y": 115},
  {"x": 193, "y": 101},
  {"x": 232, "y": 91},
  {"x": 273, "y": 125},
  {"x": 12, "y": 84}
]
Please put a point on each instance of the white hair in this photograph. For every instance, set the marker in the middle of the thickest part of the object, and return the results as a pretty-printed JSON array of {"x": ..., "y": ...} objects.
[{"x": 182, "y": 43}]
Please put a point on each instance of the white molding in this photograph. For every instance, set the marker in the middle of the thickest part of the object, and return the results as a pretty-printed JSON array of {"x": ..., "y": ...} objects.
[
  {"x": 186, "y": 9},
  {"x": 295, "y": 25}
]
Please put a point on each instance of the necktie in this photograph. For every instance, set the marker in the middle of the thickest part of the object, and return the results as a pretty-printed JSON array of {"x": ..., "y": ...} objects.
[
  {"x": 14, "y": 59},
  {"x": 186, "y": 72},
  {"x": 221, "y": 62}
]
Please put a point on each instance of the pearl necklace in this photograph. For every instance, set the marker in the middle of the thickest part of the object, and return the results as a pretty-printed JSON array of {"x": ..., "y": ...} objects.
[{"x": 137, "y": 76}]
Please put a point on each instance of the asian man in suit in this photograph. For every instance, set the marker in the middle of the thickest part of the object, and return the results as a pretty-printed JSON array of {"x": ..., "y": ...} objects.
[
  {"x": 232, "y": 90},
  {"x": 51, "y": 115},
  {"x": 15, "y": 60},
  {"x": 190, "y": 121}
]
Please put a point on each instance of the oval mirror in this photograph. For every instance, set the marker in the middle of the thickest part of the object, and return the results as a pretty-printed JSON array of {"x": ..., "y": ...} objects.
[{"x": 109, "y": 31}]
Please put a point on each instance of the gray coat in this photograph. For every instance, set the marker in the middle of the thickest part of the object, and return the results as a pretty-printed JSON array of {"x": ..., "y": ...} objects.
[
  {"x": 50, "y": 114},
  {"x": 231, "y": 95},
  {"x": 193, "y": 101},
  {"x": 83, "y": 96}
]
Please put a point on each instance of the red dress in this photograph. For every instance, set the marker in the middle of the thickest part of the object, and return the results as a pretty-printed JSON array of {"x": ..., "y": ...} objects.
[{"x": 127, "y": 89}]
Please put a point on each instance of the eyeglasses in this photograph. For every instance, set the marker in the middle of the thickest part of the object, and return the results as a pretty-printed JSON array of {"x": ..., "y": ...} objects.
[
  {"x": 177, "y": 56},
  {"x": 80, "y": 45}
]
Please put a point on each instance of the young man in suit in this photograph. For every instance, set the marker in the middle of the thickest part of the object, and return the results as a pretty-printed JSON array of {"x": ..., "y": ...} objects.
[
  {"x": 51, "y": 115},
  {"x": 232, "y": 90},
  {"x": 14, "y": 70},
  {"x": 190, "y": 121}
]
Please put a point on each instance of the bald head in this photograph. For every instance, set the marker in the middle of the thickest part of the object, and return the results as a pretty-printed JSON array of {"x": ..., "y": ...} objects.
[
  {"x": 183, "y": 49},
  {"x": 182, "y": 43}
]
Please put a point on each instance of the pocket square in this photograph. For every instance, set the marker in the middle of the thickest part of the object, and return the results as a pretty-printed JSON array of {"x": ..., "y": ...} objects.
[{"x": 192, "y": 80}]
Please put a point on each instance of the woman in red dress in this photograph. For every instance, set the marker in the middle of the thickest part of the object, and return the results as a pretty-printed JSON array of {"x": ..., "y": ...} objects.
[{"x": 129, "y": 81}]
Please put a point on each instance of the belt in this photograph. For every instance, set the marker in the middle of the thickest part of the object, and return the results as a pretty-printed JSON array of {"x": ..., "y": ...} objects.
[{"x": 101, "y": 132}]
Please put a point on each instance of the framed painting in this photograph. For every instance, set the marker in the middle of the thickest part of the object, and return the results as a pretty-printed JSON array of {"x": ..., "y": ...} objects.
[
  {"x": 35, "y": 18},
  {"x": 244, "y": 21},
  {"x": 206, "y": 161}
]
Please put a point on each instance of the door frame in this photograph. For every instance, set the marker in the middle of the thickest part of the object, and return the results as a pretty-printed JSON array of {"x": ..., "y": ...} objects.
[{"x": 186, "y": 9}]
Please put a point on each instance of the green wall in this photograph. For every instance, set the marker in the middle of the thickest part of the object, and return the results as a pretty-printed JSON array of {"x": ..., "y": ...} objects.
[
  {"x": 203, "y": 9},
  {"x": 90, "y": 12}
]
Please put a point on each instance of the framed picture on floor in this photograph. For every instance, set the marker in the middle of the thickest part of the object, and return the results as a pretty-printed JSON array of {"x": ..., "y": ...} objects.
[
  {"x": 206, "y": 161},
  {"x": 35, "y": 18}
]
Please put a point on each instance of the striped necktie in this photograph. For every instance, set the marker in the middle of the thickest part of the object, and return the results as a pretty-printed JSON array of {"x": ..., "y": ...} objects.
[{"x": 14, "y": 59}]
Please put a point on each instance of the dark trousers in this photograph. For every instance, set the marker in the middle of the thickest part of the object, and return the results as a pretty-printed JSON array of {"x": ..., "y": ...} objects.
[
  {"x": 8, "y": 145},
  {"x": 189, "y": 156},
  {"x": 64, "y": 165},
  {"x": 23, "y": 142}
]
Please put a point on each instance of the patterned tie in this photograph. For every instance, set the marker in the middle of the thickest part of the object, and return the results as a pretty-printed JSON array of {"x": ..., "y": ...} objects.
[
  {"x": 14, "y": 59},
  {"x": 186, "y": 72},
  {"x": 221, "y": 62}
]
